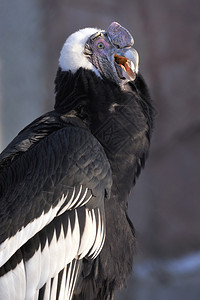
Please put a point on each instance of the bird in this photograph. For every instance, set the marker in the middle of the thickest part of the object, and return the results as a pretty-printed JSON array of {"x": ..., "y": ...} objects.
[{"x": 66, "y": 177}]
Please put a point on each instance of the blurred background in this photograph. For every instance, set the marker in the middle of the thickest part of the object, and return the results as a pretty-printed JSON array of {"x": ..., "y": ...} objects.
[{"x": 164, "y": 206}]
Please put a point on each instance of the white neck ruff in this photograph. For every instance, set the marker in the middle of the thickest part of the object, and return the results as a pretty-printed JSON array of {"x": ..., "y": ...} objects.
[{"x": 71, "y": 55}]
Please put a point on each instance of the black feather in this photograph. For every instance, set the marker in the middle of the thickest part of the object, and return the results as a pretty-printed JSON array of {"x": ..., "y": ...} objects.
[
  {"x": 122, "y": 120},
  {"x": 98, "y": 137}
]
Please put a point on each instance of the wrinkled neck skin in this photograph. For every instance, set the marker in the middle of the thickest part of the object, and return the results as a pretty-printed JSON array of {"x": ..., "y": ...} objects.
[{"x": 121, "y": 118}]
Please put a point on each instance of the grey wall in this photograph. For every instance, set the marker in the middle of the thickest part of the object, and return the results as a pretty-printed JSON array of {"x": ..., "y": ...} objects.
[{"x": 21, "y": 65}]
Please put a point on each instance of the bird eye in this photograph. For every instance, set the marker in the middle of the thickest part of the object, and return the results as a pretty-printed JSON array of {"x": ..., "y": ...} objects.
[{"x": 100, "y": 45}]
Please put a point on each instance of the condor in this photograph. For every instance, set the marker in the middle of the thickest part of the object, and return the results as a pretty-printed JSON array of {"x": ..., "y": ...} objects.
[{"x": 66, "y": 177}]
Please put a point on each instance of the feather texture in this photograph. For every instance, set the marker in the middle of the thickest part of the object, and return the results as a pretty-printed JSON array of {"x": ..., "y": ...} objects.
[
  {"x": 65, "y": 181},
  {"x": 63, "y": 229}
]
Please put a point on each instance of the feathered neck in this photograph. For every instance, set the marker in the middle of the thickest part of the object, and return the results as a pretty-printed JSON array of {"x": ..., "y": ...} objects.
[
  {"x": 84, "y": 93},
  {"x": 120, "y": 119}
]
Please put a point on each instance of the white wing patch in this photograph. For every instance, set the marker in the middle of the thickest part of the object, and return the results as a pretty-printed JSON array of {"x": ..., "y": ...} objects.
[
  {"x": 67, "y": 278},
  {"x": 59, "y": 256},
  {"x": 13, "y": 284},
  {"x": 11, "y": 245},
  {"x": 100, "y": 235},
  {"x": 74, "y": 201}
]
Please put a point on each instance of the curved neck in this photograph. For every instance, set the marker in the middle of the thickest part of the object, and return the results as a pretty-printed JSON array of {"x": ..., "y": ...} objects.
[{"x": 120, "y": 119}]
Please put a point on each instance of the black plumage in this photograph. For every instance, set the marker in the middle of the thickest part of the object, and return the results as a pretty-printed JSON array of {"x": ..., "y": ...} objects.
[{"x": 67, "y": 177}]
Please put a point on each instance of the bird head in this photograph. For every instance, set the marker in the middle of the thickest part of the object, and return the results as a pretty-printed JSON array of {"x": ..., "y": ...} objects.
[{"x": 109, "y": 54}]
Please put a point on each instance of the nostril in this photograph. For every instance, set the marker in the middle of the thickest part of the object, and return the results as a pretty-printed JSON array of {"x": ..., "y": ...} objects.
[{"x": 116, "y": 45}]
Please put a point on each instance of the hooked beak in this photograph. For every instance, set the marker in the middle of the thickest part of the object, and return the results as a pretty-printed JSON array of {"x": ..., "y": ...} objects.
[
  {"x": 124, "y": 67},
  {"x": 113, "y": 55},
  {"x": 125, "y": 57}
]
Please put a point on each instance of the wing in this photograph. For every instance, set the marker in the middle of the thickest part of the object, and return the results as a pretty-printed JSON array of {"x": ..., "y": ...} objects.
[{"x": 52, "y": 214}]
